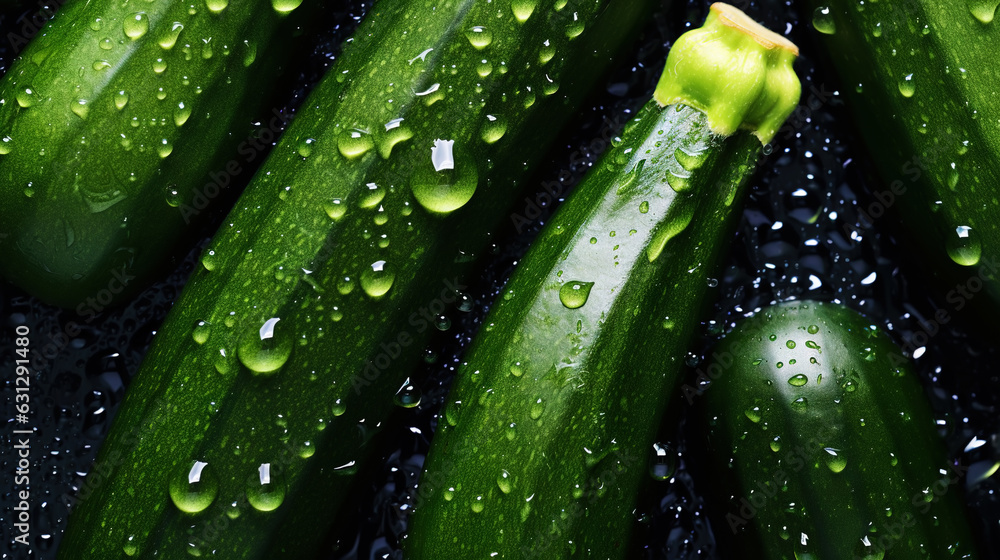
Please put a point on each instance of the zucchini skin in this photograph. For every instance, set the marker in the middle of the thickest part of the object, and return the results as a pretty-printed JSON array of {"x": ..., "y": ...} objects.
[
  {"x": 128, "y": 100},
  {"x": 815, "y": 406},
  {"x": 341, "y": 347},
  {"x": 920, "y": 77},
  {"x": 548, "y": 428}
]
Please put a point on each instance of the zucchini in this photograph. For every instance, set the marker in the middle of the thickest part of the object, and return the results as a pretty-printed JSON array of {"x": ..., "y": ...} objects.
[
  {"x": 921, "y": 78},
  {"x": 119, "y": 123},
  {"x": 248, "y": 417},
  {"x": 831, "y": 441},
  {"x": 544, "y": 439}
]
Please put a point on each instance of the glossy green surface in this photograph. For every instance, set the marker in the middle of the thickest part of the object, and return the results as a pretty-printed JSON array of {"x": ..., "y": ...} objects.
[
  {"x": 829, "y": 436},
  {"x": 922, "y": 79},
  {"x": 285, "y": 350},
  {"x": 548, "y": 429},
  {"x": 118, "y": 123}
]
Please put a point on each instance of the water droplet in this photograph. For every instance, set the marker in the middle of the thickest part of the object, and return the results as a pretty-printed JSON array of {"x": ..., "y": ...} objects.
[
  {"x": 574, "y": 294},
  {"x": 264, "y": 350},
  {"x": 80, "y": 108},
  {"x": 662, "y": 462},
  {"x": 964, "y": 247},
  {"x": 450, "y": 180},
  {"x": 202, "y": 329},
  {"x": 335, "y": 209},
  {"x": 493, "y": 129},
  {"x": 537, "y": 408},
  {"x": 516, "y": 369},
  {"x": 906, "y": 86},
  {"x": 96, "y": 25},
  {"x": 834, "y": 460},
  {"x": 339, "y": 407},
  {"x": 285, "y": 6},
  {"x": 165, "y": 148},
  {"x": 479, "y": 36},
  {"x": 354, "y": 143},
  {"x": 408, "y": 396},
  {"x": 523, "y": 9},
  {"x": 216, "y": 6},
  {"x": 775, "y": 444},
  {"x": 193, "y": 487},
  {"x": 251, "y": 53},
  {"x": 130, "y": 548},
  {"x": 800, "y": 403},
  {"x": 753, "y": 414},
  {"x": 504, "y": 482},
  {"x": 169, "y": 37},
  {"x": 575, "y": 27},
  {"x": 305, "y": 147},
  {"x": 395, "y": 132},
  {"x": 136, "y": 25},
  {"x": 377, "y": 279},
  {"x": 442, "y": 322},
  {"x": 546, "y": 53},
  {"x": 181, "y": 114},
  {"x": 26, "y": 97},
  {"x": 372, "y": 196},
  {"x": 983, "y": 10},
  {"x": 790, "y": 344},
  {"x": 478, "y": 505},
  {"x": 159, "y": 66},
  {"x": 643, "y": 207},
  {"x": 5, "y": 145},
  {"x": 798, "y": 380},
  {"x": 823, "y": 21},
  {"x": 101, "y": 65},
  {"x": 121, "y": 100},
  {"x": 265, "y": 488},
  {"x": 813, "y": 329}
]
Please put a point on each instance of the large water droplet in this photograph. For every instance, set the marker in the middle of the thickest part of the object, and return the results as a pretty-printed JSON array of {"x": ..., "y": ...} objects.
[
  {"x": 523, "y": 9},
  {"x": 493, "y": 129},
  {"x": 266, "y": 349},
  {"x": 26, "y": 97},
  {"x": 662, "y": 462},
  {"x": 372, "y": 196},
  {"x": 201, "y": 332},
  {"x": 537, "y": 409},
  {"x": 408, "y": 396},
  {"x": 216, "y": 6},
  {"x": 574, "y": 294},
  {"x": 823, "y": 21},
  {"x": 983, "y": 10},
  {"x": 354, "y": 143},
  {"x": 193, "y": 487},
  {"x": 449, "y": 182},
  {"x": 835, "y": 460},
  {"x": 377, "y": 279},
  {"x": 335, "y": 208},
  {"x": 285, "y": 6},
  {"x": 80, "y": 108},
  {"x": 181, "y": 114},
  {"x": 265, "y": 488},
  {"x": 121, "y": 100},
  {"x": 906, "y": 86},
  {"x": 504, "y": 482},
  {"x": 479, "y": 36},
  {"x": 798, "y": 380},
  {"x": 169, "y": 38},
  {"x": 964, "y": 247},
  {"x": 136, "y": 25}
]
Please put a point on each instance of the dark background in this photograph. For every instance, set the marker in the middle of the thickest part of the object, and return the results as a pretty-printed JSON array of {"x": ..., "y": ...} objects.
[{"x": 790, "y": 243}]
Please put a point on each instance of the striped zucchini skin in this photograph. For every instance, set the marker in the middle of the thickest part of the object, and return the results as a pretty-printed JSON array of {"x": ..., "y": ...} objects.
[
  {"x": 285, "y": 350},
  {"x": 921, "y": 78},
  {"x": 548, "y": 429},
  {"x": 112, "y": 122},
  {"x": 828, "y": 435}
]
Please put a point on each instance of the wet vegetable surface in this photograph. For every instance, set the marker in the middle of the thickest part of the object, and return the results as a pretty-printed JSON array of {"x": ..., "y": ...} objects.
[{"x": 791, "y": 242}]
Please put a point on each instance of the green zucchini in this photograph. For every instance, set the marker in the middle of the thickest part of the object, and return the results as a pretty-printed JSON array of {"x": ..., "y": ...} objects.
[
  {"x": 921, "y": 77},
  {"x": 117, "y": 125},
  {"x": 546, "y": 433},
  {"x": 830, "y": 439},
  {"x": 287, "y": 346}
]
